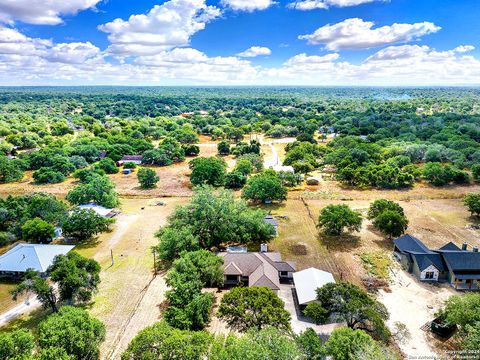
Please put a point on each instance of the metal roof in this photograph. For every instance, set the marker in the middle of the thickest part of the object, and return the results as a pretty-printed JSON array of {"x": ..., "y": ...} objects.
[
  {"x": 308, "y": 281},
  {"x": 100, "y": 210},
  {"x": 31, "y": 256}
]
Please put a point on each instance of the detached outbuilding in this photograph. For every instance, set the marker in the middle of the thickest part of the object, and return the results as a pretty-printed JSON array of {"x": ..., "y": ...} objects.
[
  {"x": 37, "y": 257},
  {"x": 307, "y": 282}
]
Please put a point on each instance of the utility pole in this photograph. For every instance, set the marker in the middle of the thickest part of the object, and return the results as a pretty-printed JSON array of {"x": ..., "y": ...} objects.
[{"x": 154, "y": 262}]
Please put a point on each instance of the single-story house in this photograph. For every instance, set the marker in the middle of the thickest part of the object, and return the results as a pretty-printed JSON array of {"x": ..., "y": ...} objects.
[
  {"x": 307, "y": 282},
  {"x": 459, "y": 267},
  {"x": 137, "y": 159},
  {"x": 30, "y": 256},
  {"x": 100, "y": 210},
  {"x": 269, "y": 219},
  {"x": 256, "y": 269}
]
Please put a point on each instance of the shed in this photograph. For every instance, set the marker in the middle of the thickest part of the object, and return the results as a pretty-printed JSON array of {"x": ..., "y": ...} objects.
[
  {"x": 30, "y": 256},
  {"x": 269, "y": 219},
  {"x": 308, "y": 281}
]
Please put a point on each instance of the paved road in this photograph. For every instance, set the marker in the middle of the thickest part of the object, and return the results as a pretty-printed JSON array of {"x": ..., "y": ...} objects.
[{"x": 19, "y": 310}]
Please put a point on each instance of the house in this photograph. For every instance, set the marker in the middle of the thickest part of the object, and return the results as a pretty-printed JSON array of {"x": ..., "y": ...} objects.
[
  {"x": 137, "y": 159},
  {"x": 269, "y": 219},
  {"x": 307, "y": 282},
  {"x": 459, "y": 267},
  {"x": 256, "y": 269},
  {"x": 100, "y": 210},
  {"x": 37, "y": 257}
]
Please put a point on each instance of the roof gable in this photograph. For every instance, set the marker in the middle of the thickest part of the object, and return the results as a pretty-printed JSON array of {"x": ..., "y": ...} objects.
[
  {"x": 450, "y": 246},
  {"x": 410, "y": 243}
]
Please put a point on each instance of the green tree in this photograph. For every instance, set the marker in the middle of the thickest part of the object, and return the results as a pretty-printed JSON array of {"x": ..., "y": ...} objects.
[
  {"x": 311, "y": 345},
  {"x": 347, "y": 344},
  {"x": 245, "y": 308},
  {"x": 223, "y": 147},
  {"x": 10, "y": 170},
  {"x": 268, "y": 343},
  {"x": 107, "y": 165},
  {"x": 33, "y": 283},
  {"x": 82, "y": 224},
  {"x": 472, "y": 202},
  {"x": 334, "y": 219},
  {"x": 216, "y": 218},
  {"x": 208, "y": 171},
  {"x": 380, "y": 205},
  {"x": 264, "y": 187},
  {"x": 53, "y": 353},
  {"x": 316, "y": 312},
  {"x": 161, "y": 341},
  {"x": 98, "y": 189},
  {"x": 464, "y": 312},
  {"x": 38, "y": 231},
  {"x": 475, "y": 172},
  {"x": 46, "y": 175},
  {"x": 77, "y": 277},
  {"x": 16, "y": 344},
  {"x": 235, "y": 180},
  {"x": 147, "y": 178},
  {"x": 391, "y": 223},
  {"x": 349, "y": 303},
  {"x": 173, "y": 241},
  {"x": 244, "y": 167},
  {"x": 73, "y": 330}
]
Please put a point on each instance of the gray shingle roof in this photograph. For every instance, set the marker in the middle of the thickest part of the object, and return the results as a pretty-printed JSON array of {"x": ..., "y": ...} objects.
[
  {"x": 410, "y": 243},
  {"x": 462, "y": 260}
]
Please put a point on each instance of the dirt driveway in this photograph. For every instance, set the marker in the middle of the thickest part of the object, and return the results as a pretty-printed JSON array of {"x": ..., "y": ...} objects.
[{"x": 414, "y": 304}]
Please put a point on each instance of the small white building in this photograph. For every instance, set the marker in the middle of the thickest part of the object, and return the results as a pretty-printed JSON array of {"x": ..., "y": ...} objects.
[{"x": 308, "y": 281}]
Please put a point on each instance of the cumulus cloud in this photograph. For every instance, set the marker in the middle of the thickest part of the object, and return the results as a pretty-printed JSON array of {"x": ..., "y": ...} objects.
[
  {"x": 356, "y": 33},
  {"x": 41, "y": 12},
  {"x": 325, "y": 4},
  {"x": 40, "y": 62},
  {"x": 255, "y": 51},
  {"x": 164, "y": 27},
  {"x": 247, "y": 5},
  {"x": 71, "y": 53}
]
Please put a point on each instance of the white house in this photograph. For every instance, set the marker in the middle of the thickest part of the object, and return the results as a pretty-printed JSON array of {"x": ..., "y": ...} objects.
[{"x": 100, "y": 210}]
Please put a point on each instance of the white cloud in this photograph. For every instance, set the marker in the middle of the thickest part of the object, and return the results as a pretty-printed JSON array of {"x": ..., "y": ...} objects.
[
  {"x": 41, "y": 12},
  {"x": 325, "y": 4},
  {"x": 356, "y": 33},
  {"x": 247, "y": 5},
  {"x": 72, "y": 53},
  {"x": 255, "y": 51},
  {"x": 41, "y": 62},
  {"x": 164, "y": 27}
]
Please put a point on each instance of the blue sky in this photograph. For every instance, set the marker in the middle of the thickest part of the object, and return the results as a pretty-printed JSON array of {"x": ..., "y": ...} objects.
[{"x": 183, "y": 42}]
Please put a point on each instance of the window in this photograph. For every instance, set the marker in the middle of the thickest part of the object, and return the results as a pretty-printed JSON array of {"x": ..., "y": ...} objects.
[
  {"x": 429, "y": 275},
  {"x": 283, "y": 273},
  {"x": 232, "y": 278}
]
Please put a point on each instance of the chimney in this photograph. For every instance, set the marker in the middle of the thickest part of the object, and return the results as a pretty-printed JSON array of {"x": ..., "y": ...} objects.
[
  {"x": 475, "y": 249},
  {"x": 464, "y": 246},
  {"x": 263, "y": 248}
]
